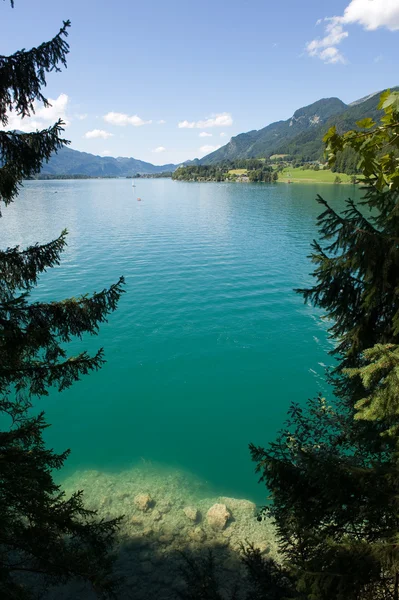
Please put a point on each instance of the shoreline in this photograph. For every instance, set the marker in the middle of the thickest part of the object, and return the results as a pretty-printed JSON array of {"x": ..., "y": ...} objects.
[
  {"x": 167, "y": 513},
  {"x": 286, "y": 181}
]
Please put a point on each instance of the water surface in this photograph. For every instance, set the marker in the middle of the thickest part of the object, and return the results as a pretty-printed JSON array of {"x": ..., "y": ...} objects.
[{"x": 209, "y": 345}]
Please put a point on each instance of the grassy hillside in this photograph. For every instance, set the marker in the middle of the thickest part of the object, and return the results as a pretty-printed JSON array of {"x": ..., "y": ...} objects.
[
  {"x": 237, "y": 172},
  {"x": 311, "y": 176}
]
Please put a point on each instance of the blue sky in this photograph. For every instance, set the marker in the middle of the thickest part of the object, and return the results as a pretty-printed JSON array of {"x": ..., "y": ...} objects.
[{"x": 136, "y": 70}]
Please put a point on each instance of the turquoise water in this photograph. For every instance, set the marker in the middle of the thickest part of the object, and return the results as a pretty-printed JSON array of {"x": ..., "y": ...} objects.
[{"x": 209, "y": 344}]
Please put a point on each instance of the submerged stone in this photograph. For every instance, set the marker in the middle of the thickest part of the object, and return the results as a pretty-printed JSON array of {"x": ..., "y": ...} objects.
[
  {"x": 191, "y": 513},
  {"x": 143, "y": 502},
  {"x": 197, "y": 534},
  {"x": 217, "y": 516},
  {"x": 157, "y": 515},
  {"x": 237, "y": 505}
]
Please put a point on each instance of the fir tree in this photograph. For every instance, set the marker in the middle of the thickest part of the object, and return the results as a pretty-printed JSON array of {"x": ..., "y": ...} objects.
[
  {"x": 333, "y": 472},
  {"x": 45, "y": 538}
]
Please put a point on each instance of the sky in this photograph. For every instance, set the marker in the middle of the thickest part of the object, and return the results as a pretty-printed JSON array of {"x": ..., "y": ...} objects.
[{"x": 169, "y": 80}]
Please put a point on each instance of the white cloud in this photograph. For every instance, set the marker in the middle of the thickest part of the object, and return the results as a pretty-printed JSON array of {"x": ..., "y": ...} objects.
[
  {"x": 159, "y": 149},
  {"x": 97, "y": 133},
  {"x": 81, "y": 117},
  {"x": 161, "y": 122},
  {"x": 223, "y": 134},
  {"x": 378, "y": 59},
  {"x": 370, "y": 14},
  {"x": 205, "y": 134},
  {"x": 43, "y": 117},
  {"x": 207, "y": 149},
  {"x": 186, "y": 125},
  {"x": 325, "y": 48},
  {"x": 105, "y": 153},
  {"x": 219, "y": 120},
  {"x": 122, "y": 120}
]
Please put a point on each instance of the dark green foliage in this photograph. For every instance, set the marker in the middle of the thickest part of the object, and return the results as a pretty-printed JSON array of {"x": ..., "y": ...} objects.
[
  {"x": 201, "y": 578},
  {"x": 45, "y": 538},
  {"x": 266, "y": 579},
  {"x": 200, "y": 173},
  {"x": 333, "y": 471},
  {"x": 346, "y": 162},
  {"x": 23, "y": 74},
  {"x": 255, "y": 170},
  {"x": 333, "y": 487},
  {"x": 264, "y": 175},
  {"x": 161, "y": 175},
  {"x": 261, "y": 578},
  {"x": 22, "y": 155}
]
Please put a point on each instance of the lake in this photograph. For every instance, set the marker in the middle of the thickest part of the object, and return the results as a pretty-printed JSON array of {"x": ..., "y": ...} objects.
[{"x": 209, "y": 345}]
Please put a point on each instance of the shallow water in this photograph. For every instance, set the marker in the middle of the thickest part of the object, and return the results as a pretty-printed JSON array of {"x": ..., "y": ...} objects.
[{"x": 209, "y": 344}]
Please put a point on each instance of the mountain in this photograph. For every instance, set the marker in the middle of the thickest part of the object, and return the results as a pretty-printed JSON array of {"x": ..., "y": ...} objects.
[
  {"x": 310, "y": 146},
  {"x": 300, "y": 136},
  {"x": 73, "y": 162},
  {"x": 265, "y": 141}
]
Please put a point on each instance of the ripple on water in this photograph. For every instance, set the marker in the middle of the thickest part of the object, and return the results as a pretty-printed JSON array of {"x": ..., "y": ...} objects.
[{"x": 209, "y": 345}]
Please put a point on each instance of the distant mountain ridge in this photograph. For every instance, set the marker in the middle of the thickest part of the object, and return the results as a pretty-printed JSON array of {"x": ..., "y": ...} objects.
[
  {"x": 72, "y": 162},
  {"x": 300, "y": 136}
]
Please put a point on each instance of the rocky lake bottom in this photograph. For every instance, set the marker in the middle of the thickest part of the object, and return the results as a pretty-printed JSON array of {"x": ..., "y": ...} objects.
[{"x": 170, "y": 519}]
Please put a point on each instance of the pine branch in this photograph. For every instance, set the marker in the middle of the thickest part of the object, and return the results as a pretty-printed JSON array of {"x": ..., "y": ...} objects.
[
  {"x": 366, "y": 226},
  {"x": 37, "y": 377},
  {"x": 22, "y": 155},
  {"x": 19, "y": 270},
  {"x": 23, "y": 74},
  {"x": 29, "y": 330},
  {"x": 41, "y": 531},
  {"x": 73, "y": 316}
]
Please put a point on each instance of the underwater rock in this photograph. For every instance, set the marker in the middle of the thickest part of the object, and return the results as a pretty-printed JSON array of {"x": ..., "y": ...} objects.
[
  {"x": 191, "y": 513},
  {"x": 236, "y": 505},
  {"x": 217, "y": 516},
  {"x": 165, "y": 508},
  {"x": 166, "y": 538},
  {"x": 157, "y": 515},
  {"x": 197, "y": 534},
  {"x": 143, "y": 502},
  {"x": 136, "y": 521}
]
